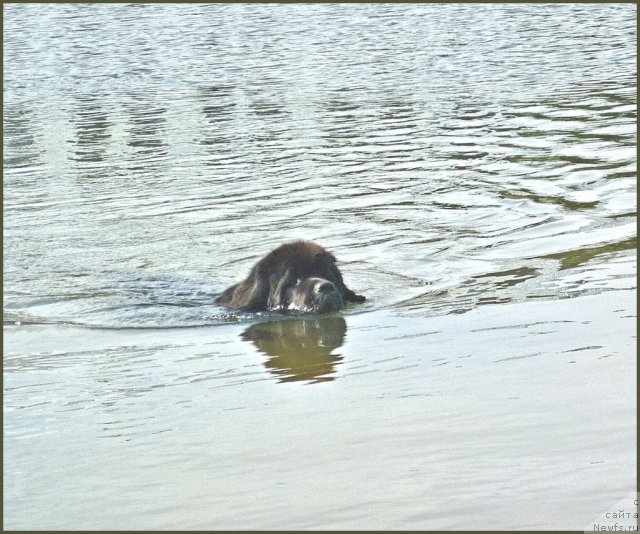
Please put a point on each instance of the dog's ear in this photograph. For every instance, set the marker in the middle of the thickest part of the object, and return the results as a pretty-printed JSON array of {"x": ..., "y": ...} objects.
[
  {"x": 250, "y": 294},
  {"x": 256, "y": 295},
  {"x": 226, "y": 296},
  {"x": 278, "y": 286}
]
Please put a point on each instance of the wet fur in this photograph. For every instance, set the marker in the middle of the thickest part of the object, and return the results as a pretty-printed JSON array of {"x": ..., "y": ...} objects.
[{"x": 271, "y": 282}]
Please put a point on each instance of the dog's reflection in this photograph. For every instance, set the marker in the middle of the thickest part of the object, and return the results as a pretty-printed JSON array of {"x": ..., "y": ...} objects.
[{"x": 299, "y": 349}]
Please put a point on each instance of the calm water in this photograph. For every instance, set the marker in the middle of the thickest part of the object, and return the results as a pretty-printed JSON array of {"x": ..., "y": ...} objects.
[{"x": 473, "y": 168}]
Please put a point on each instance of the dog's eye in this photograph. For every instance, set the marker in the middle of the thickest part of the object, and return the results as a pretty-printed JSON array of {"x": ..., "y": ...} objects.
[{"x": 298, "y": 280}]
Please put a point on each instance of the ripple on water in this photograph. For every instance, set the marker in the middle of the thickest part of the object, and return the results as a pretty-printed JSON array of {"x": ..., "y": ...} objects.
[{"x": 425, "y": 182}]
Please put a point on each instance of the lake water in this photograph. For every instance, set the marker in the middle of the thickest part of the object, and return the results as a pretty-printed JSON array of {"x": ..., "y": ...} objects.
[{"x": 472, "y": 167}]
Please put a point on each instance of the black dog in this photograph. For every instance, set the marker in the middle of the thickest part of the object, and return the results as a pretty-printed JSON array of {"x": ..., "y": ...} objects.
[{"x": 300, "y": 276}]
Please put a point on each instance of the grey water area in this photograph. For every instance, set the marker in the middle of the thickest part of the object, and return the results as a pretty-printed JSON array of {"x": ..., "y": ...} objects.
[{"x": 473, "y": 169}]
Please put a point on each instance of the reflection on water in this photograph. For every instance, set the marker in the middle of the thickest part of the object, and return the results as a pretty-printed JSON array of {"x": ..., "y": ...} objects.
[
  {"x": 573, "y": 258},
  {"x": 300, "y": 349}
]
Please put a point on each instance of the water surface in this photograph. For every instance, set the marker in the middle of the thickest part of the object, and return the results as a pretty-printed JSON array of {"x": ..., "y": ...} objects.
[{"x": 473, "y": 168}]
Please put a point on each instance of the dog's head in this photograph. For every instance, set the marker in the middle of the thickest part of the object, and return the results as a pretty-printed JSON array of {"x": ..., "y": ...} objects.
[{"x": 300, "y": 276}]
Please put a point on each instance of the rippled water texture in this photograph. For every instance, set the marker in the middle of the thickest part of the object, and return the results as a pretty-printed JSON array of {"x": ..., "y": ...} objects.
[{"x": 451, "y": 156}]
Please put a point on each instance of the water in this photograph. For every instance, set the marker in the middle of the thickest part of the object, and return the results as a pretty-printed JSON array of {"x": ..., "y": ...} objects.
[{"x": 472, "y": 167}]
